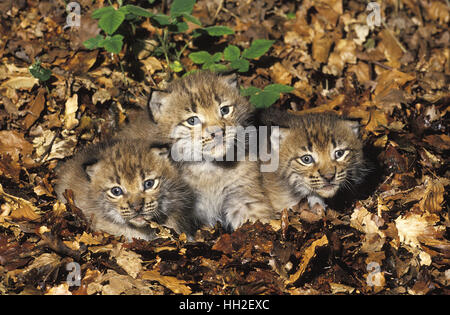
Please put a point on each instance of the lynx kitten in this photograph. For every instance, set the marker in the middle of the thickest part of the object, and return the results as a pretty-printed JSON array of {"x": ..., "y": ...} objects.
[
  {"x": 318, "y": 154},
  {"x": 122, "y": 186},
  {"x": 201, "y": 113}
]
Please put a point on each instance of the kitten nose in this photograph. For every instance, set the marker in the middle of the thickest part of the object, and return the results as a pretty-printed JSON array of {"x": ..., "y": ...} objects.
[
  {"x": 137, "y": 206},
  {"x": 328, "y": 176}
]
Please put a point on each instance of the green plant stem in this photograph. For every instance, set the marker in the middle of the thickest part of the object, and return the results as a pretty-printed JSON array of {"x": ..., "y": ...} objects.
[{"x": 164, "y": 46}]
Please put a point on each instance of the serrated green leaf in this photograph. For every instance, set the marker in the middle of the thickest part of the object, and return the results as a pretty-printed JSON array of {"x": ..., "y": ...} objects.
[
  {"x": 241, "y": 65},
  {"x": 231, "y": 53},
  {"x": 110, "y": 21},
  {"x": 278, "y": 88},
  {"x": 258, "y": 48},
  {"x": 180, "y": 7},
  {"x": 252, "y": 90},
  {"x": 138, "y": 11},
  {"x": 113, "y": 44},
  {"x": 200, "y": 57},
  {"x": 218, "y": 30},
  {"x": 264, "y": 99},
  {"x": 98, "y": 13},
  {"x": 94, "y": 42}
]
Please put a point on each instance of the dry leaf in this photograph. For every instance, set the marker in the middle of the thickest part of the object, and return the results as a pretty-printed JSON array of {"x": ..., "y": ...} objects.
[
  {"x": 172, "y": 283},
  {"x": 71, "y": 108}
]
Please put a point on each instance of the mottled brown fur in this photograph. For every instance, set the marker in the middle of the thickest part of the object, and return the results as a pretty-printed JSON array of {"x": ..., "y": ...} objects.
[
  {"x": 229, "y": 192},
  {"x": 94, "y": 172},
  {"x": 323, "y": 137}
]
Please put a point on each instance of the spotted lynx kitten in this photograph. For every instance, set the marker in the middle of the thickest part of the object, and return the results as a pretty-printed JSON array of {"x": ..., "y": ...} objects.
[
  {"x": 318, "y": 154},
  {"x": 122, "y": 186},
  {"x": 199, "y": 113}
]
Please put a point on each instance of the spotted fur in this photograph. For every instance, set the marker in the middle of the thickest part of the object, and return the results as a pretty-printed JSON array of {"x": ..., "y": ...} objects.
[
  {"x": 201, "y": 111},
  {"x": 318, "y": 155},
  {"x": 148, "y": 189}
]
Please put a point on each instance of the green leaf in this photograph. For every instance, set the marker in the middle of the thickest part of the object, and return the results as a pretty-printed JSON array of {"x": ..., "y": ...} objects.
[
  {"x": 176, "y": 66},
  {"x": 40, "y": 72},
  {"x": 192, "y": 19},
  {"x": 217, "y": 57},
  {"x": 258, "y": 48},
  {"x": 200, "y": 57},
  {"x": 180, "y": 7},
  {"x": 129, "y": 8},
  {"x": 250, "y": 91},
  {"x": 97, "y": 14},
  {"x": 94, "y": 42},
  {"x": 240, "y": 65},
  {"x": 231, "y": 53},
  {"x": 179, "y": 27},
  {"x": 278, "y": 88},
  {"x": 264, "y": 99},
  {"x": 161, "y": 19},
  {"x": 113, "y": 44},
  {"x": 218, "y": 30},
  {"x": 217, "y": 67},
  {"x": 110, "y": 21}
]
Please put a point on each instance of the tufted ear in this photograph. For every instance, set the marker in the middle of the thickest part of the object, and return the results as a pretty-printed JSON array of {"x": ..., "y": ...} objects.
[
  {"x": 231, "y": 80},
  {"x": 91, "y": 168},
  {"x": 354, "y": 126},
  {"x": 157, "y": 102}
]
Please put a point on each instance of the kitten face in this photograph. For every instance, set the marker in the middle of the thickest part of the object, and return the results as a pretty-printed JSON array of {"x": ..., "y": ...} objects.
[
  {"x": 201, "y": 112},
  {"x": 320, "y": 153},
  {"x": 127, "y": 182}
]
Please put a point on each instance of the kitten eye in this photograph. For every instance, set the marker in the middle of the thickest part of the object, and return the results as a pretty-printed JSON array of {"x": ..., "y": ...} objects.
[
  {"x": 226, "y": 110},
  {"x": 116, "y": 191},
  {"x": 306, "y": 159},
  {"x": 194, "y": 120},
  {"x": 150, "y": 183},
  {"x": 339, "y": 154}
]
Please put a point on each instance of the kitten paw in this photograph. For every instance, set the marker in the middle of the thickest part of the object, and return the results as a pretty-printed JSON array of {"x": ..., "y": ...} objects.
[{"x": 317, "y": 205}]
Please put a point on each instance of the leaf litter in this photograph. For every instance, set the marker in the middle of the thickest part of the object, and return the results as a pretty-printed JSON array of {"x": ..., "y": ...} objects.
[{"x": 389, "y": 237}]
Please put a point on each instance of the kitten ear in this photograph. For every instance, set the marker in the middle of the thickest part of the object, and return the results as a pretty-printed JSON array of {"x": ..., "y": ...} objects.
[
  {"x": 90, "y": 168},
  {"x": 277, "y": 135},
  {"x": 231, "y": 80},
  {"x": 156, "y": 103},
  {"x": 354, "y": 125}
]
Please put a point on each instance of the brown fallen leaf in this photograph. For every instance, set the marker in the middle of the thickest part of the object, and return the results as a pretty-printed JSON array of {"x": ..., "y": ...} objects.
[
  {"x": 306, "y": 257},
  {"x": 175, "y": 285},
  {"x": 35, "y": 109},
  {"x": 20, "y": 209}
]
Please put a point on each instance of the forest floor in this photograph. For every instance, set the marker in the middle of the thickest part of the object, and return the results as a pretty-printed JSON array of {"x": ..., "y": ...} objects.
[{"x": 389, "y": 236}]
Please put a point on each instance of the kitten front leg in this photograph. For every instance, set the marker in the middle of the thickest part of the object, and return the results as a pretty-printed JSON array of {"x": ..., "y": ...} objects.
[{"x": 238, "y": 212}]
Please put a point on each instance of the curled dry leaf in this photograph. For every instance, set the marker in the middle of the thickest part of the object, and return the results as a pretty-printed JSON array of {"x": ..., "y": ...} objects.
[
  {"x": 71, "y": 108},
  {"x": 19, "y": 209}
]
